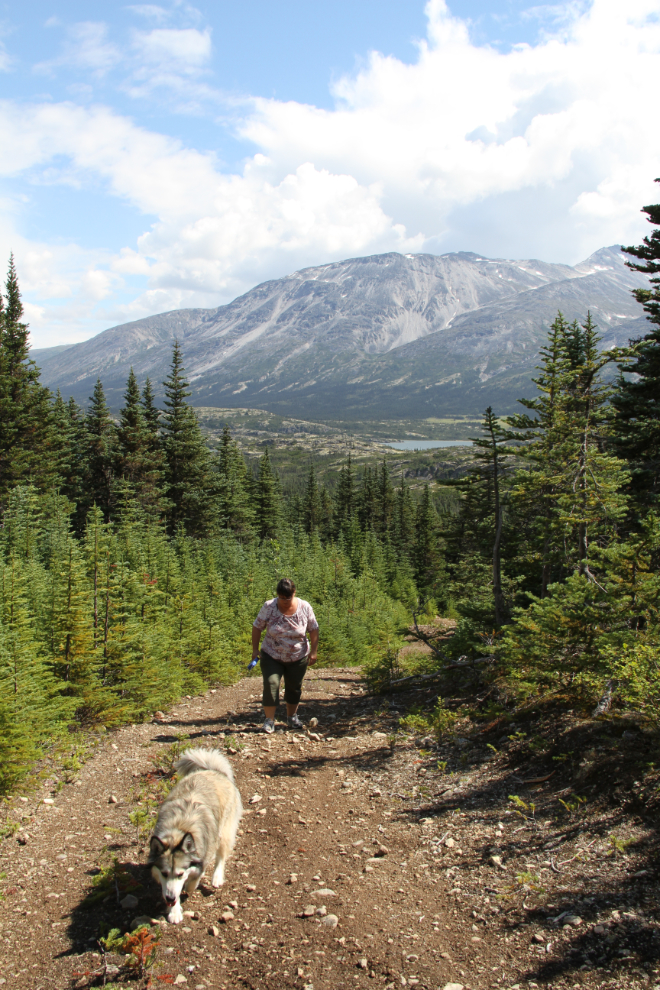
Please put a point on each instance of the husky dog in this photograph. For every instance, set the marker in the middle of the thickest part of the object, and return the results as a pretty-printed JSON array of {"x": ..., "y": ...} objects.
[{"x": 196, "y": 826}]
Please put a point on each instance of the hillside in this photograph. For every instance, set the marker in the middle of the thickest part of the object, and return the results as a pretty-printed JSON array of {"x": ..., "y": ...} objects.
[{"x": 388, "y": 335}]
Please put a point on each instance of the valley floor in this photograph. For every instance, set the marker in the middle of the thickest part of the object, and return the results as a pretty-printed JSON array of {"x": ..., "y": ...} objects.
[{"x": 433, "y": 875}]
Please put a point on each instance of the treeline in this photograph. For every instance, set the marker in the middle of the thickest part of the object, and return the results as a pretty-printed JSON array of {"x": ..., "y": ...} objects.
[{"x": 133, "y": 559}]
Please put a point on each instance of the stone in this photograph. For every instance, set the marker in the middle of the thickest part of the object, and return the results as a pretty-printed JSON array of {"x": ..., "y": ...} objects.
[
  {"x": 313, "y": 722},
  {"x": 376, "y": 793},
  {"x": 227, "y": 916},
  {"x": 573, "y": 920},
  {"x": 293, "y": 878},
  {"x": 113, "y": 799},
  {"x": 159, "y": 714},
  {"x": 497, "y": 861},
  {"x": 453, "y": 986},
  {"x": 323, "y": 892},
  {"x": 363, "y": 964},
  {"x": 255, "y": 799},
  {"x": 379, "y": 735},
  {"x": 450, "y": 843},
  {"x": 129, "y": 902},
  {"x": 322, "y": 911},
  {"x": 309, "y": 911},
  {"x": 180, "y": 979},
  {"x": 538, "y": 937},
  {"x": 382, "y": 851},
  {"x": 251, "y": 887},
  {"x": 214, "y": 931},
  {"x": 49, "y": 801},
  {"x": 142, "y": 921},
  {"x": 233, "y": 905}
]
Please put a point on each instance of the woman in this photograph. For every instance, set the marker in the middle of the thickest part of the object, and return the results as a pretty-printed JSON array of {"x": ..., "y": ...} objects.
[{"x": 286, "y": 652}]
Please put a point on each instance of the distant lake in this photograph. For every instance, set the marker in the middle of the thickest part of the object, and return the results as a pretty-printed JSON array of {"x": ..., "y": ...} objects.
[{"x": 428, "y": 444}]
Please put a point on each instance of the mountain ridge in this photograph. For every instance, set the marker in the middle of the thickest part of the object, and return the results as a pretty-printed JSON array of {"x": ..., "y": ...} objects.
[{"x": 429, "y": 331}]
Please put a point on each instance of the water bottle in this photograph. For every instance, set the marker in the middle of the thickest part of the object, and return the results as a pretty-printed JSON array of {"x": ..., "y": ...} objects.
[{"x": 253, "y": 663}]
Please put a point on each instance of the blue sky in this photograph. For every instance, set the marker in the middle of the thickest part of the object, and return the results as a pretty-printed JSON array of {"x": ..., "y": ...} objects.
[{"x": 169, "y": 154}]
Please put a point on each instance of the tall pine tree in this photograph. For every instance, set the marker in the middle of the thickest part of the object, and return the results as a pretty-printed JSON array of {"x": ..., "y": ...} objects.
[
  {"x": 189, "y": 476},
  {"x": 637, "y": 399}
]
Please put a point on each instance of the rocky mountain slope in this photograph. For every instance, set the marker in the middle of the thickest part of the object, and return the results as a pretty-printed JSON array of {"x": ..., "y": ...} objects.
[{"x": 384, "y": 335}]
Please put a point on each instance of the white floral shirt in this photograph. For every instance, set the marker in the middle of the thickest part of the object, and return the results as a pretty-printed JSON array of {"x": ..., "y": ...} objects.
[{"x": 285, "y": 638}]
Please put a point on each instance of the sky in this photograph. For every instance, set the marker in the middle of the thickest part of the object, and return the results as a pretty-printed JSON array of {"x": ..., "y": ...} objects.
[{"x": 165, "y": 155}]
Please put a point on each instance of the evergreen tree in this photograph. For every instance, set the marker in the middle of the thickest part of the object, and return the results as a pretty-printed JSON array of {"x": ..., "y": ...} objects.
[
  {"x": 311, "y": 503},
  {"x": 100, "y": 453},
  {"x": 266, "y": 500},
  {"x": 189, "y": 480},
  {"x": 426, "y": 550},
  {"x": 344, "y": 502},
  {"x": 233, "y": 499},
  {"x": 491, "y": 452},
  {"x": 384, "y": 501},
  {"x": 151, "y": 414},
  {"x": 404, "y": 521},
  {"x": 25, "y": 426},
  {"x": 637, "y": 399},
  {"x": 367, "y": 500},
  {"x": 138, "y": 459}
]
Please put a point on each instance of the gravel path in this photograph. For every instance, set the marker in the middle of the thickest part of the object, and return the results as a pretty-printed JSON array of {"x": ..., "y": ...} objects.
[{"x": 353, "y": 867}]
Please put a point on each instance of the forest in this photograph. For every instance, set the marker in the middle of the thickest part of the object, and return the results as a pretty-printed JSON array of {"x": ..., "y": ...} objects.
[{"x": 133, "y": 559}]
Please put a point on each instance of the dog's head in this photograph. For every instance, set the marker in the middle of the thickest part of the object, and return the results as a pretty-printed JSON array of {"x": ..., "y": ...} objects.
[{"x": 172, "y": 863}]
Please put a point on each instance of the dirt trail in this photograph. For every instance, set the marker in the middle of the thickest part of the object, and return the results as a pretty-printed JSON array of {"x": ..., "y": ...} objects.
[{"x": 342, "y": 824}]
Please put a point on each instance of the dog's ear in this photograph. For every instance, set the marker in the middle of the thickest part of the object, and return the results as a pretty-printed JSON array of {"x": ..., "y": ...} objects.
[
  {"x": 156, "y": 847},
  {"x": 188, "y": 845}
]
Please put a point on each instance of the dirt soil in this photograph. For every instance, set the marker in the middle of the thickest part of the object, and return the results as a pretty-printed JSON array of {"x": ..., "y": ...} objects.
[{"x": 435, "y": 877}]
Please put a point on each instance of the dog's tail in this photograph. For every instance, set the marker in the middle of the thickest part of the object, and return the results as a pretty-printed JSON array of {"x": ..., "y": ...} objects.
[{"x": 203, "y": 759}]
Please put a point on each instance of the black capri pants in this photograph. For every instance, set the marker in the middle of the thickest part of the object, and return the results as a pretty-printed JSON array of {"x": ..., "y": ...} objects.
[{"x": 273, "y": 671}]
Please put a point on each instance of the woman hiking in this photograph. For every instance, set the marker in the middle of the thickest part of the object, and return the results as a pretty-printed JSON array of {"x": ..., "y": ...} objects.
[{"x": 286, "y": 653}]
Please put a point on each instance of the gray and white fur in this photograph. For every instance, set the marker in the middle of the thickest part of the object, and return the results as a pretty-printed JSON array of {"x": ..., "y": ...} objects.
[{"x": 196, "y": 826}]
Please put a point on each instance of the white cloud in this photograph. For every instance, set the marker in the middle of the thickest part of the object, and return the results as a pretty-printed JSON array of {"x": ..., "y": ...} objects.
[
  {"x": 183, "y": 50},
  {"x": 545, "y": 150},
  {"x": 85, "y": 47}
]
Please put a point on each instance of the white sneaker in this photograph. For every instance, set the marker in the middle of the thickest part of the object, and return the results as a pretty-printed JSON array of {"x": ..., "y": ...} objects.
[{"x": 269, "y": 725}]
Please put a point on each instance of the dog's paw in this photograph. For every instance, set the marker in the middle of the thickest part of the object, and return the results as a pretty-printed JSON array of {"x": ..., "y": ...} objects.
[
  {"x": 218, "y": 877},
  {"x": 175, "y": 917}
]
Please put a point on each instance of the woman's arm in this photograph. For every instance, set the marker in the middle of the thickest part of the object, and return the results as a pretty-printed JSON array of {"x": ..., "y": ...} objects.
[
  {"x": 256, "y": 636},
  {"x": 314, "y": 644}
]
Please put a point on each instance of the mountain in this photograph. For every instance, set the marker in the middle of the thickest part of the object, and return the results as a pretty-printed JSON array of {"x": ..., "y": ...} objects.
[{"x": 388, "y": 335}]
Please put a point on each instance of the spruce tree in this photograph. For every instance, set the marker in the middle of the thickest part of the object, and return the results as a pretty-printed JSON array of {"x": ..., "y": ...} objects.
[
  {"x": 311, "y": 503},
  {"x": 25, "y": 424},
  {"x": 138, "y": 459},
  {"x": 189, "y": 480},
  {"x": 384, "y": 501},
  {"x": 100, "y": 453},
  {"x": 151, "y": 413},
  {"x": 427, "y": 561},
  {"x": 266, "y": 500},
  {"x": 637, "y": 399},
  {"x": 233, "y": 490},
  {"x": 344, "y": 495}
]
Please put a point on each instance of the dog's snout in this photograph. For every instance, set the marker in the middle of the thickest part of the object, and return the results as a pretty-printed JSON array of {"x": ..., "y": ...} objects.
[{"x": 169, "y": 899}]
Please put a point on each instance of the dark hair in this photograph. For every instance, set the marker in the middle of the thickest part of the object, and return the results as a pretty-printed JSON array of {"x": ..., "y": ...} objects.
[{"x": 286, "y": 588}]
